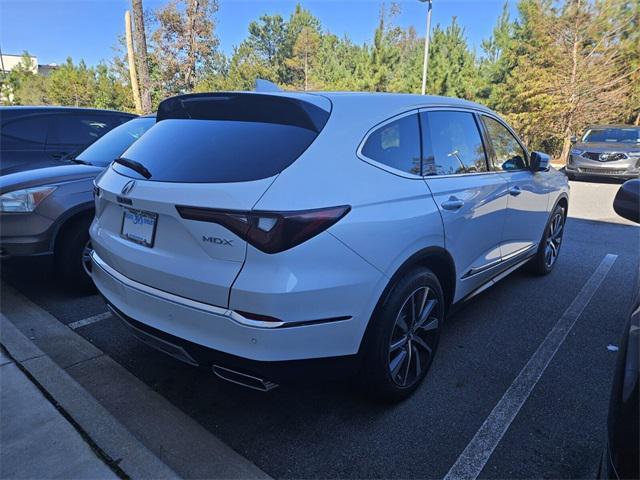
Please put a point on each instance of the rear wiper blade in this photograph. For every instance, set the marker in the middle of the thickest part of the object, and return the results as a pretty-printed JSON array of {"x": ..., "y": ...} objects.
[{"x": 133, "y": 165}]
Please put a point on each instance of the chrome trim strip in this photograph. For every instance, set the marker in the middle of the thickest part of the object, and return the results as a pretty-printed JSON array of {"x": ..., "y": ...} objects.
[
  {"x": 186, "y": 302},
  {"x": 266, "y": 384},
  {"x": 206, "y": 307},
  {"x": 502, "y": 261},
  {"x": 499, "y": 276},
  {"x": 519, "y": 252},
  {"x": 483, "y": 268}
]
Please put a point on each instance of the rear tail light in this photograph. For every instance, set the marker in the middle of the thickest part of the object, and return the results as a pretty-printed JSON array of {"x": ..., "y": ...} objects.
[{"x": 270, "y": 232}]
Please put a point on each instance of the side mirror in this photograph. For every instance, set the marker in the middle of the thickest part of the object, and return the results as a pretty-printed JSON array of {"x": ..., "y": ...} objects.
[
  {"x": 539, "y": 162},
  {"x": 627, "y": 201},
  {"x": 574, "y": 139}
]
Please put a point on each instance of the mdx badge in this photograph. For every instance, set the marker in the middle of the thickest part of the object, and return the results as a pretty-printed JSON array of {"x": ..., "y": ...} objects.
[{"x": 217, "y": 241}]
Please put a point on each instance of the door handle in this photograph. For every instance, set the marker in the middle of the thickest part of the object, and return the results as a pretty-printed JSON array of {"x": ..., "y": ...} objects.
[
  {"x": 454, "y": 203},
  {"x": 515, "y": 191}
]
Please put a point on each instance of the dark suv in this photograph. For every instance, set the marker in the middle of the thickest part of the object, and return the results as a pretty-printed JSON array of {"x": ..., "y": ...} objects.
[
  {"x": 607, "y": 151},
  {"x": 35, "y": 137}
]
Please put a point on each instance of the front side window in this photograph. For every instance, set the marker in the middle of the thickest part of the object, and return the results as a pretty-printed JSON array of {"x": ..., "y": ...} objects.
[
  {"x": 509, "y": 155},
  {"x": 396, "y": 144},
  {"x": 452, "y": 144}
]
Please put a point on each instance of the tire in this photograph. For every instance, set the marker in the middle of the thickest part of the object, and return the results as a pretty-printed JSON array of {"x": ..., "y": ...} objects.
[
  {"x": 71, "y": 253},
  {"x": 549, "y": 248},
  {"x": 398, "y": 351}
]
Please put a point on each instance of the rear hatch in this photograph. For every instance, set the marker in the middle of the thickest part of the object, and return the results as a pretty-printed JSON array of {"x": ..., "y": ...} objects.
[{"x": 213, "y": 153}]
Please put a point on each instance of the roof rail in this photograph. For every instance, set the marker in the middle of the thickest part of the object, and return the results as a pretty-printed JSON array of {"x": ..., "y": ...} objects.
[{"x": 266, "y": 86}]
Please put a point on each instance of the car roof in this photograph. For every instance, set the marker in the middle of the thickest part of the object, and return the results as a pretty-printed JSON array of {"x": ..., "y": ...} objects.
[
  {"x": 613, "y": 125},
  {"x": 55, "y": 108},
  {"x": 370, "y": 108},
  {"x": 400, "y": 100}
]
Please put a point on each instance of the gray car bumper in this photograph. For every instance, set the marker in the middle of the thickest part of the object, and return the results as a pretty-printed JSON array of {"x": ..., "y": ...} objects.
[
  {"x": 25, "y": 234},
  {"x": 580, "y": 166}
]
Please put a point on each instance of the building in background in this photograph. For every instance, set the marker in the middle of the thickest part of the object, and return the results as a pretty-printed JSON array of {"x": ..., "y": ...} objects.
[{"x": 10, "y": 61}]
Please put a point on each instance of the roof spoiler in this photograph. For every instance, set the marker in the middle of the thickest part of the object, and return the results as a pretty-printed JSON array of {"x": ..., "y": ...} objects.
[
  {"x": 248, "y": 107},
  {"x": 266, "y": 86}
]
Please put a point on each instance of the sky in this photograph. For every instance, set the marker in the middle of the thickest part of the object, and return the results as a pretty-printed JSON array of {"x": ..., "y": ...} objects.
[{"x": 53, "y": 30}]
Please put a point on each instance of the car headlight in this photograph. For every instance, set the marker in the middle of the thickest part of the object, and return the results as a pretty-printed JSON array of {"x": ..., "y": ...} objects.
[
  {"x": 576, "y": 151},
  {"x": 24, "y": 200}
]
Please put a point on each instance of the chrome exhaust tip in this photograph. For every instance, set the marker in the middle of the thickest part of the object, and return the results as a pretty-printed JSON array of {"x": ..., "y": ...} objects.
[{"x": 243, "y": 379}]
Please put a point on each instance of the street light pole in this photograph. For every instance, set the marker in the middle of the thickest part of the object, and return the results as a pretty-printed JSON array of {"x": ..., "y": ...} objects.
[{"x": 426, "y": 47}]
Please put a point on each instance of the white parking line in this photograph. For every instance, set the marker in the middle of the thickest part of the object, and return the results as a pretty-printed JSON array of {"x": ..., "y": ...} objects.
[
  {"x": 88, "y": 320},
  {"x": 475, "y": 456}
]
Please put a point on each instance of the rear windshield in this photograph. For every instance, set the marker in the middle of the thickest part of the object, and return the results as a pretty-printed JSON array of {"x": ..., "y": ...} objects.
[
  {"x": 225, "y": 140},
  {"x": 111, "y": 145}
]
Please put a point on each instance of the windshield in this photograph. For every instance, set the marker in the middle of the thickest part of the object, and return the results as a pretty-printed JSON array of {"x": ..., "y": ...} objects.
[
  {"x": 110, "y": 146},
  {"x": 612, "y": 135}
]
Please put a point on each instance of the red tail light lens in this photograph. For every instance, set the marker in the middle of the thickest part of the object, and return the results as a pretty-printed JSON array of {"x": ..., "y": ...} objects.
[{"x": 270, "y": 232}]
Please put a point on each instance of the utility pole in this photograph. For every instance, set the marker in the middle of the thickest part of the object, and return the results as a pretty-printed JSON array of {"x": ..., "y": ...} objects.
[
  {"x": 140, "y": 42},
  {"x": 132, "y": 62},
  {"x": 426, "y": 47}
]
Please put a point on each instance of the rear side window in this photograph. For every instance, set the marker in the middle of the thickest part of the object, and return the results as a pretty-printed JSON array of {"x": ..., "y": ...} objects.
[
  {"x": 396, "y": 144},
  {"x": 77, "y": 129},
  {"x": 219, "y": 138},
  {"x": 452, "y": 143},
  {"x": 27, "y": 132},
  {"x": 509, "y": 155}
]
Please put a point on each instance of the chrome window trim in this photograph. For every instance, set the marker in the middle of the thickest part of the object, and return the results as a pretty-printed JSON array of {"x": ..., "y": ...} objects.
[
  {"x": 382, "y": 166},
  {"x": 430, "y": 108},
  {"x": 472, "y": 111},
  {"x": 515, "y": 136}
]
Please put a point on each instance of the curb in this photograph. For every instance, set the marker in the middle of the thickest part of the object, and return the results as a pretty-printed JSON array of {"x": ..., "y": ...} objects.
[
  {"x": 125, "y": 455},
  {"x": 146, "y": 434}
]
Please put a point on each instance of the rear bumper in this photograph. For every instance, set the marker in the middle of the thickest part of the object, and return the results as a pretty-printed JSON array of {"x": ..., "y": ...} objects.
[
  {"x": 208, "y": 358},
  {"x": 204, "y": 327}
]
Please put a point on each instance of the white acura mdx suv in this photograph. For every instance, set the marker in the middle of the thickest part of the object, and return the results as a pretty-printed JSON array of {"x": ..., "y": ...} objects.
[{"x": 268, "y": 236}]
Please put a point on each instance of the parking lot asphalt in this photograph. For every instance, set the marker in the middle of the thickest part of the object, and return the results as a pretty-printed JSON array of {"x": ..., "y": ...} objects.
[{"x": 329, "y": 430}]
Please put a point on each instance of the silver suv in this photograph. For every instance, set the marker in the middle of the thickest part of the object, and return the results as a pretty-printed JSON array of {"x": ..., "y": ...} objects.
[
  {"x": 251, "y": 233},
  {"x": 606, "y": 150}
]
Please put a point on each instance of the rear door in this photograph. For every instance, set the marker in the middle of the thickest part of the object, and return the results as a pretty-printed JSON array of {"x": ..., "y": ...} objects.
[
  {"x": 472, "y": 200},
  {"x": 212, "y": 154},
  {"x": 69, "y": 132},
  {"x": 528, "y": 196}
]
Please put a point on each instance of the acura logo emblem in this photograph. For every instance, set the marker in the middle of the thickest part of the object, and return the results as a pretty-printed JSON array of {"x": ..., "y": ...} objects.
[{"x": 128, "y": 187}]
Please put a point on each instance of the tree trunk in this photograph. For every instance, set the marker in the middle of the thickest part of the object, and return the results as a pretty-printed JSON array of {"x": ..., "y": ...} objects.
[
  {"x": 192, "y": 15},
  {"x": 140, "y": 41},
  {"x": 132, "y": 62},
  {"x": 306, "y": 67},
  {"x": 573, "y": 98}
]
